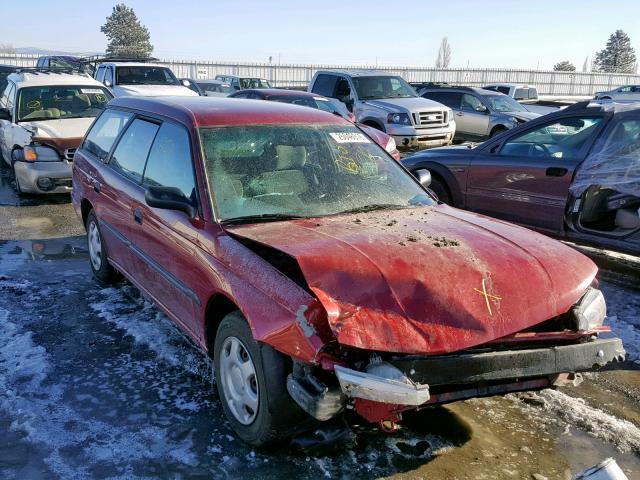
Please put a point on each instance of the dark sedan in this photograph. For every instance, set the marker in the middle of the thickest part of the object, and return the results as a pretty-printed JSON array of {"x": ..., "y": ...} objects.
[{"x": 574, "y": 174}]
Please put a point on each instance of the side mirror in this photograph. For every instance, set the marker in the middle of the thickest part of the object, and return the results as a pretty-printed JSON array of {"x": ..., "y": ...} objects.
[
  {"x": 169, "y": 198},
  {"x": 423, "y": 176},
  {"x": 481, "y": 109},
  {"x": 107, "y": 83},
  {"x": 5, "y": 114}
]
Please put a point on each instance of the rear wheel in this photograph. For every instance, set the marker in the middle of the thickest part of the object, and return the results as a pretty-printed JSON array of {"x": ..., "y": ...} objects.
[
  {"x": 251, "y": 384},
  {"x": 441, "y": 190},
  {"x": 100, "y": 267}
]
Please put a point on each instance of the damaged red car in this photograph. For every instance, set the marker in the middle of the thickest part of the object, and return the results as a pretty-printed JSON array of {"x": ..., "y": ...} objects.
[{"x": 317, "y": 272}]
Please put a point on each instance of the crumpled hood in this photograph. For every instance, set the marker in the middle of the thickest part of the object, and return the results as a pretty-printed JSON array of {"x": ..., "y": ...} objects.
[
  {"x": 60, "y": 128},
  {"x": 153, "y": 90},
  {"x": 524, "y": 115},
  {"x": 428, "y": 280},
  {"x": 411, "y": 104}
]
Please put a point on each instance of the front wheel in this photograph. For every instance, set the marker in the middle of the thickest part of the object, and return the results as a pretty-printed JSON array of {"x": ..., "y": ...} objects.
[
  {"x": 100, "y": 267},
  {"x": 251, "y": 383},
  {"x": 441, "y": 191}
]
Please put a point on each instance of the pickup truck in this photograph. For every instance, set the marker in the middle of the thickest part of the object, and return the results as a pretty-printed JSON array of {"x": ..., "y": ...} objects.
[{"x": 387, "y": 102}]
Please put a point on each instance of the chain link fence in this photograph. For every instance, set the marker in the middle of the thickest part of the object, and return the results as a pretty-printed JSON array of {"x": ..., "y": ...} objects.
[{"x": 547, "y": 82}]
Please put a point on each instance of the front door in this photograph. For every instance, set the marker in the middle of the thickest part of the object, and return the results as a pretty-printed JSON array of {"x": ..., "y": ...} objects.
[{"x": 526, "y": 178}]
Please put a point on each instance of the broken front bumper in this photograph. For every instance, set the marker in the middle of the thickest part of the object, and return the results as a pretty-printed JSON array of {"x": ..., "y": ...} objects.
[{"x": 408, "y": 379}]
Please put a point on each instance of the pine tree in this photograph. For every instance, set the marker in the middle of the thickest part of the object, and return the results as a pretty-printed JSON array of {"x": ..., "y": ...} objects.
[
  {"x": 618, "y": 56},
  {"x": 127, "y": 37},
  {"x": 564, "y": 66},
  {"x": 444, "y": 54}
]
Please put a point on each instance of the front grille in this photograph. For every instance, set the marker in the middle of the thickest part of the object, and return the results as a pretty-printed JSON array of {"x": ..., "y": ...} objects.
[
  {"x": 430, "y": 119},
  {"x": 69, "y": 153}
]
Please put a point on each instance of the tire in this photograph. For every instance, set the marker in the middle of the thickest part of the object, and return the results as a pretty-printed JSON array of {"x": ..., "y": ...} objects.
[
  {"x": 441, "y": 190},
  {"x": 266, "y": 415},
  {"x": 102, "y": 271}
]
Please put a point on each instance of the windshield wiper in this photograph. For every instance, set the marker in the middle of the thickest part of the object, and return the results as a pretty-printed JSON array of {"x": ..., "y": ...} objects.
[
  {"x": 373, "y": 207},
  {"x": 262, "y": 217}
]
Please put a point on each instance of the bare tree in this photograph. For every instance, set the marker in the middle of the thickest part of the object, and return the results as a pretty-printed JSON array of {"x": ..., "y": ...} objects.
[
  {"x": 7, "y": 48},
  {"x": 585, "y": 65},
  {"x": 444, "y": 54}
]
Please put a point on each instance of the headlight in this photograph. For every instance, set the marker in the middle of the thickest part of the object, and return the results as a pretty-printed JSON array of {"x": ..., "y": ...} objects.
[
  {"x": 399, "y": 118},
  {"x": 591, "y": 310},
  {"x": 40, "y": 154},
  {"x": 391, "y": 145}
]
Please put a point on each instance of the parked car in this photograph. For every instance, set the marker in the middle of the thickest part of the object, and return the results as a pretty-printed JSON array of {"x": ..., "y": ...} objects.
[
  {"x": 139, "y": 78},
  {"x": 43, "y": 117},
  {"x": 317, "y": 272},
  {"x": 208, "y": 88},
  {"x": 480, "y": 114},
  {"x": 574, "y": 174},
  {"x": 241, "y": 83},
  {"x": 66, "y": 62},
  {"x": 520, "y": 93},
  {"x": 5, "y": 71},
  {"x": 390, "y": 104},
  {"x": 626, "y": 92},
  {"x": 312, "y": 100}
]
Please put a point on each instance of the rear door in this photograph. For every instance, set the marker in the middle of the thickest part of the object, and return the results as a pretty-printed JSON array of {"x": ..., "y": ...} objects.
[
  {"x": 526, "y": 177},
  {"x": 166, "y": 238},
  {"x": 120, "y": 188}
]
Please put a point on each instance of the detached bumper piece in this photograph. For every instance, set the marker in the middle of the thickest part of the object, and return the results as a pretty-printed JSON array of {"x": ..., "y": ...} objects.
[{"x": 510, "y": 364}]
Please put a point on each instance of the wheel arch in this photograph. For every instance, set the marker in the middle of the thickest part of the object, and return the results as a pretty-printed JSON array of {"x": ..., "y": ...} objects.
[
  {"x": 373, "y": 122},
  {"x": 218, "y": 306},
  {"x": 443, "y": 174},
  {"x": 85, "y": 208}
]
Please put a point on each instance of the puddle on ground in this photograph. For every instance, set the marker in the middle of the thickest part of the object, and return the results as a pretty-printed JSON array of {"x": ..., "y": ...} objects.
[{"x": 43, "y": 250}]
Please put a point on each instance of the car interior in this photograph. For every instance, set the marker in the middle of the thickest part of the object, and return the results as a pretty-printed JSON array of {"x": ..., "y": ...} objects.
[
  {"x": 606, "y": 210},
  {"x": 50, "y": 103}
]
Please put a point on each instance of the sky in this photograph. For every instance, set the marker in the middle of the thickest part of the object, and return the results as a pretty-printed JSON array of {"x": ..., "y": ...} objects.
[{"x": 482, "y": 33}]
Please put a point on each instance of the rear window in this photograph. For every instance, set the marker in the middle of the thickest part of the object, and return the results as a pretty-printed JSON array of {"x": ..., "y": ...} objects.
[
  {"x": 104, "y": 132},
  {"x": 325, "y": 85}
]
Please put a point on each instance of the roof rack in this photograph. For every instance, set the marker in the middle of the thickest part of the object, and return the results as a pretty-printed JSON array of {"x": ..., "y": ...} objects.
[
  {"x": 50, "y": 70},
  {"x": 114, "y": 58}
]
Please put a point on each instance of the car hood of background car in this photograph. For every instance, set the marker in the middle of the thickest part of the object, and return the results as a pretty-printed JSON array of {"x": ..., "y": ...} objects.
[
  {"x": 153, "y": 90},
  {"x": 524, "y": 115},
  {"x": 427, "y": 280},
  {"x": 60, "y": 128},
  {"x": 411, "y": 104}
]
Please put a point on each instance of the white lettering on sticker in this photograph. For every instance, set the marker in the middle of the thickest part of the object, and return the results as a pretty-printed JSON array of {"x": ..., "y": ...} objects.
[{"x": 349, "y": 137}]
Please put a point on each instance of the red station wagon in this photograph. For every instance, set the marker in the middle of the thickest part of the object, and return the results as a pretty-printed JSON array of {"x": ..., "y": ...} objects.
[{"x": 317, "y": 272}]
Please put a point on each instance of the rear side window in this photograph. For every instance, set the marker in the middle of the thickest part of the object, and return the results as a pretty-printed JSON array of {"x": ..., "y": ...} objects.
[
  {"x": 131, "y": 153},
  {"x": 325, "y": 85},
  {"x": 504, "y": 90},
  {"x": 104, "y": 132},
  {"x": 170, "y": 163},
  {"x": 450, "y": 99}
]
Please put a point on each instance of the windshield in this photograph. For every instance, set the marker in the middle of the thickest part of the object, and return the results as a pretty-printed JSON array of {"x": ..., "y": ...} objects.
[
  {"x": 382, "y": 87},
  {"x": 145, "y": 75},
  {"x": 56, "y": 102},
  {"x": 503, "y": 103},
  {"x": 254, "y": 83},
  {"x": 283, "y": 171}
]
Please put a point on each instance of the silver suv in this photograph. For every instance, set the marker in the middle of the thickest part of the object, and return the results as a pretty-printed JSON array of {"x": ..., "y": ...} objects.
[
  {"x": 480, "y": 114},
  {"x": 387, "y": 102}
]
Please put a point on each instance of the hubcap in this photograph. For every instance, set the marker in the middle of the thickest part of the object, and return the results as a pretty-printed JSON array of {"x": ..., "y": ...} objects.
[
  {"x": 95, "y": 246},
  {"x": 239, "y": 382}
]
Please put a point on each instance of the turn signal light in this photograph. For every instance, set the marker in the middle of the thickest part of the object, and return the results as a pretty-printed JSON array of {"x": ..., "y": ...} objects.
[{"x": 30, "y": 154}]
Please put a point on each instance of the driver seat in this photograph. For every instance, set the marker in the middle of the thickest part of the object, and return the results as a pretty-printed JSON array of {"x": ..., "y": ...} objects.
[{"x": 288, "y": 178}]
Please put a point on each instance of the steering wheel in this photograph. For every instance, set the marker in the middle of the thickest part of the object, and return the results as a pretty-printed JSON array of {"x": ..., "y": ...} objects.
[{"x": 539, "y": 150}]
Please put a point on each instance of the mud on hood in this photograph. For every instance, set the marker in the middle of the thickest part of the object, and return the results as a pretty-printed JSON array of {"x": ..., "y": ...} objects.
[
  {"x": 60, "y": 128},
  {"x": 430, "y": 279}
]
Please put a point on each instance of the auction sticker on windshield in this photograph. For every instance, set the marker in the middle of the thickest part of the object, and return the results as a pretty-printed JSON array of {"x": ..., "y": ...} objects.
[
  {"x": 349, "y": 137},
  {"x": 90, "y": 90}
]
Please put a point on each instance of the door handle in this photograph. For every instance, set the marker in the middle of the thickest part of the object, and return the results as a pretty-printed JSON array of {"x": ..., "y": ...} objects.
[
  {"x": 556, "y": 172},
  {"x": 137, "y": 216},
  {"x": 97, "y": 186}
]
